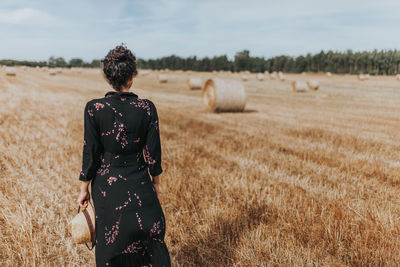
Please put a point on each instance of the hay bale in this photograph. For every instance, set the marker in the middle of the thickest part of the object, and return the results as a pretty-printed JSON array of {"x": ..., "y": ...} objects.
[
  {"x": 195, "y": 83},
  {"x": 266, "y": 72},
  {"x": 398, "y": 77},
  {"x": 52, "y": 72},
  {"x": 281, "y": 76},
  {"x": 273, "y": 75},
  {"x": 329, "y": 74},
  {"x": 245, "y": 77},
  {"x": 143, "y": 72},
  {"x": 303, "y": 73},
  {"x": 367, "y": 76},
  {"x": 11, "y": 71},
  {"x": 260, "y": 76},
  {"x": 224, "y": 95},
  {"x": 361, "y": 77},
  {"x": 58, "y": 70},
  {"x": 313, "y": 85},
  {"x": 214, "y": 72},
  {"x": 299, "y": 86},
  {"x": 162, "y": 78}
]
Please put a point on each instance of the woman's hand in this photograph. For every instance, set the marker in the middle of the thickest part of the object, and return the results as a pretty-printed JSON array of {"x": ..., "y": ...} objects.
[
  {"x": 157, "y": 189},
  {"x": 83, "y": 199}
]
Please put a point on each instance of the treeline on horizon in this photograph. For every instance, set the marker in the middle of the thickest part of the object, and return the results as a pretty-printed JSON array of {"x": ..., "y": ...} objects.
[
  {"x": 53, "y": 62},
  {"x": 382, "y": 62}
]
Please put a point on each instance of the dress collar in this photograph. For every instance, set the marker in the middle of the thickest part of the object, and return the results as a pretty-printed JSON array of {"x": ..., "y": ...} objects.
[{"x": 111, "y": 93}]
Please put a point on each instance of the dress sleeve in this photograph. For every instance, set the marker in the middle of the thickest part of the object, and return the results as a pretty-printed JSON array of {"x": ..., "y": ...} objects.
[
  {"x": 152, "y": 147},
  {"x": 91, "y": 146}
]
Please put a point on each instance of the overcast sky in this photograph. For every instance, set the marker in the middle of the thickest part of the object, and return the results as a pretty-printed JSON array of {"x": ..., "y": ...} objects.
[{"x": 36, "y": 30}]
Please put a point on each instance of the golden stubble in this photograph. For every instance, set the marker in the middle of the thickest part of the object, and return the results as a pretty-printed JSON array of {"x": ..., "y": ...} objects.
[{"x": 297, "y": 179}]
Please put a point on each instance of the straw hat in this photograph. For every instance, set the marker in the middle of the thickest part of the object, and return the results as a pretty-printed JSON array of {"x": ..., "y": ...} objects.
[{"x": 82, "y": 226}]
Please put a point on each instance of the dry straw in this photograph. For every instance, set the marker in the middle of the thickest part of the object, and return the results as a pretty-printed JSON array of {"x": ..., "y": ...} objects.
[
  {"x": 11, "y": 71},
  {"x": 162, "y": 78},
  {"x": 224, "y": 95},
  {"x": 299, "y": 86},
  {"x": 260, "y": 76},
  {"x": 195, "y": 83},
  {"x": 313, "y": 85}
]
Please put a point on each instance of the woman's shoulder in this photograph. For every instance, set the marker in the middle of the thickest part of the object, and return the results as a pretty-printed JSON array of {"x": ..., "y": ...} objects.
[{"x": 95, "y": 104}]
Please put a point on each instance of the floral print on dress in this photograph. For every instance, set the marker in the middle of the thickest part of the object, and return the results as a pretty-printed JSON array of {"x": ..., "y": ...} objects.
[
  {"x": 118, "y": 162},
  {"x": 141, "y": 103},
  {"x": 111, "y": 234},
  {"x": 148, "y": 157}
]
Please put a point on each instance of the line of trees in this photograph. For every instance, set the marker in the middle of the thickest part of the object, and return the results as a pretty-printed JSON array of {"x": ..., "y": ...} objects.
[
  {"x": 383, "y": 62},
  {"x": 53, "y": 62}
]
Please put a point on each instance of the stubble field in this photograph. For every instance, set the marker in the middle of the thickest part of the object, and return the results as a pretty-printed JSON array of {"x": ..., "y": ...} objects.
[{"x": 298, "y": 179}]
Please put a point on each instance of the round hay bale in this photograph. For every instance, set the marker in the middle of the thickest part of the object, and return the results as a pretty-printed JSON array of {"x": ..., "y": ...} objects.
[
  {"x": 299, "y": 86},
  {"x": 162, "y": 78},
  {"x": 313, "y": 85},
  {"x": 273, "y": 75},
  {"x": 260, "y": 76},
  {"x": 266, "y": 72},
  {"x": 281, "y": 76},
  {"x": 214, "y": 72},
  {"x": 224, "y": 95},
  {"x": 398, "y": 77},
  {"x": 195, "y": 83},
  {"x": 58, "y": 70},
  {"x": 304, "y": 73},
  {"x": 329, "y": 74},
  {"x": 52, "y": 72},
  {"x": 367, "y": 76},
  {"x": 245, "y": 77},
  {"x": 361, "y": 77},
  {"x": 143, "y": 72},
  {"x": 11, "y": 71}
]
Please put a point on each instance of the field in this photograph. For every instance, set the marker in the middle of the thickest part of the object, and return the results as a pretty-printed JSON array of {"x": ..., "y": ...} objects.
[{"x": 298, "y": 179}]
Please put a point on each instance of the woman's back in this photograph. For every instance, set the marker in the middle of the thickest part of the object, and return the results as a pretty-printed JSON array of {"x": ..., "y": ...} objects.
[{"x": 121, "y": 148}]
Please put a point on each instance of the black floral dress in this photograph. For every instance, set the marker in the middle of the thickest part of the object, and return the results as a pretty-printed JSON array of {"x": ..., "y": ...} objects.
[{"x": 121, "y": 147}]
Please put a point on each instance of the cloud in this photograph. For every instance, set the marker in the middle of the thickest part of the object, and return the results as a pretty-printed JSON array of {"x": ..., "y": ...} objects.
[
  {"x": 26, "y": 16},
  {"x": 157, "y": 28}
]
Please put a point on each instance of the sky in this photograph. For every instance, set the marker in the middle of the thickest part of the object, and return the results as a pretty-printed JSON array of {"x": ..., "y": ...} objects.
[{"x": 88, "y": 29}]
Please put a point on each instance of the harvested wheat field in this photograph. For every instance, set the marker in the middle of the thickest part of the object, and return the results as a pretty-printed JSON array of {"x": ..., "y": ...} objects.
[{"x": 295, "y": 179}]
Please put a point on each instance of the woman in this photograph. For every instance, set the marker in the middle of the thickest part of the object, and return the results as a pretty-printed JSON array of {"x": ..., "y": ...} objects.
[{"x": 121, "y": 147}]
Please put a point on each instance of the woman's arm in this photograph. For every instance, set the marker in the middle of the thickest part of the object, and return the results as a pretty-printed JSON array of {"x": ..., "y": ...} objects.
[
  {"x": 90, "y": 154},
  {"x": 84, "y": 195},
  {"x": 156, "y": 184}
]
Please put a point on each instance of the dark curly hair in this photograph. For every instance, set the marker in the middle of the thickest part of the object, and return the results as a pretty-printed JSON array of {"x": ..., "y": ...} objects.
[{"x": 118, "y": 66}]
